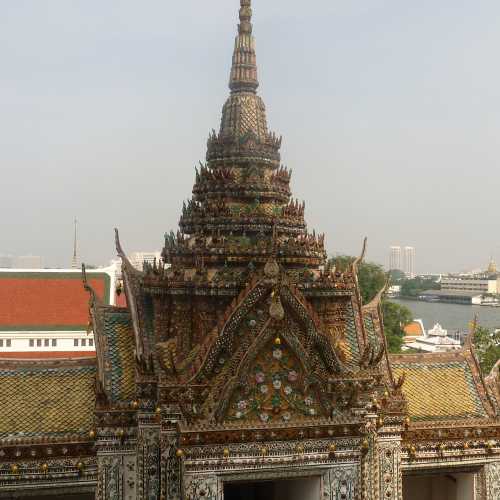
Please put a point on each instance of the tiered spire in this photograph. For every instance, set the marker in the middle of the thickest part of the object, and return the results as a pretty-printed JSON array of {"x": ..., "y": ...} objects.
[{"x": 241, "y": 211}]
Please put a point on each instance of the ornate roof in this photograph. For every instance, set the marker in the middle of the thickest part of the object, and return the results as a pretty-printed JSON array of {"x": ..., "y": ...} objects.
[
  {"x": 50, "y": 399},
  {"x": 247, "y": 299},
  {"x": 443, "y": 386},
  {"x": 243, "y": 324}
]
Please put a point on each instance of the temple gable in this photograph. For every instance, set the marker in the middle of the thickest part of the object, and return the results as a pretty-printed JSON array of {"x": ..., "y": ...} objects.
[{"x": 274, "y": 387}]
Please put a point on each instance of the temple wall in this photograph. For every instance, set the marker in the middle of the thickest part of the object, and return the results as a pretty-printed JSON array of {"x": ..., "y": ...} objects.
[
  {"x": 492, "y": 473},
  {"x": 389, "y": 469},
  {"x": 117, "y": 476},
  {"x": 148, "y": 462}
]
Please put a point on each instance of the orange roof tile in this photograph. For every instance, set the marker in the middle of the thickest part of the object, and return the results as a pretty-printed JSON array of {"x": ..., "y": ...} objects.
[
  {"x": 47, "y": 300},
  {"x": 413, "y": 329}
]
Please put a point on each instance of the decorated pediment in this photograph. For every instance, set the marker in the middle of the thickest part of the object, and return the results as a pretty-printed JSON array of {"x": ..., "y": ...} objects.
[
  {"x": 265, "y": 305},
  {"x": 275, "y": 388}
]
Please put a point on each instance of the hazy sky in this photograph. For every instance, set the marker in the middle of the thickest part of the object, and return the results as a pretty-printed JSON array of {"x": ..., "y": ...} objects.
[{"x": 389, "y": 111}]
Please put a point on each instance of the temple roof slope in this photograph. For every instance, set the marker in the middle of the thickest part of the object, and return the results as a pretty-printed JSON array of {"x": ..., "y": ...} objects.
[
  {"x": 116, "y": 342},
  {"x": 116, "y": 348},
  {"x": 444, "y": 387},
  {"x": 50, "y": 399}
]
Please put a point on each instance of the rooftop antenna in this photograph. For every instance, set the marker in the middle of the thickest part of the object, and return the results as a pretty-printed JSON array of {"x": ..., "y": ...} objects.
[{"x": 74, "y": 260}]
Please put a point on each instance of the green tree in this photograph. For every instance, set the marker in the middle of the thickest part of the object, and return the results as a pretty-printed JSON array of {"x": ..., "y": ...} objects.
[
  {"x": 414, "y": 287},
  {"x": 371, "y": 278},
  {"x": 396, "y": 317},
  {"x": 397, "y": 276},
  {"x": 487, "y": 344}
]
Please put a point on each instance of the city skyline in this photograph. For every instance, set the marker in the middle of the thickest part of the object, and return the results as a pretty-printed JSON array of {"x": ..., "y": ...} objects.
[{"x": 91, "y": 109}]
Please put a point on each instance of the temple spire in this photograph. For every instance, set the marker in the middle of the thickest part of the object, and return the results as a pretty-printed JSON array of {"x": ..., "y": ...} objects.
[
  {"x": 74, "y": 260},
  {"x": 244, "y": 68}
]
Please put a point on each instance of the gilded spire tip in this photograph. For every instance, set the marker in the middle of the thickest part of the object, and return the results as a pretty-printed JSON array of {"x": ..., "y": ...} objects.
[
  {"x": 244, "y": 68},
  {"x": 245, "y": 17}
]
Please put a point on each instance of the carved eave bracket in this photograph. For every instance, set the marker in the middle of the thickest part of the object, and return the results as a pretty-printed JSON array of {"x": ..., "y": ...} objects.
[
  {"x": 492, "y": 382},
  {"x": 373, "y": 355},
  {"x": 95, "y": 323},
  {"x": 131, "y": 281},
  {"x": 489, "y": 391}
]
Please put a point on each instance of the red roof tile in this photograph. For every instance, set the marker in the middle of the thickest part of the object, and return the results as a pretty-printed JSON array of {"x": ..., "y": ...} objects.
[{"x": 47, "y": 301}]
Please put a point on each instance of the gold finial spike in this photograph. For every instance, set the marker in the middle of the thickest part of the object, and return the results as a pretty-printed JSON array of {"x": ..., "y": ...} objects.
[{"x": 244, "y": 68}]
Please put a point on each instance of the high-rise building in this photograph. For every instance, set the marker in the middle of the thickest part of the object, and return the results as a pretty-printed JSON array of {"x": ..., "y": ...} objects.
[
  {"x": 409, "y": 268},
  {"x": 395, "y": 259}
]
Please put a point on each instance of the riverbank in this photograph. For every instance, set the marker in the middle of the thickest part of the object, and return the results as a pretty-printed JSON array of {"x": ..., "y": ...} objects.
[{"x": 452, "y": 317}]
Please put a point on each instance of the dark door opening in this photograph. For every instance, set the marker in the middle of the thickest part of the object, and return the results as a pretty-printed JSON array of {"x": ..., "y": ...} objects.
[
  {"x": 435, "y": 486},
  {"x": 249, "y": 491},
  {"x": 293, "y": 489}
]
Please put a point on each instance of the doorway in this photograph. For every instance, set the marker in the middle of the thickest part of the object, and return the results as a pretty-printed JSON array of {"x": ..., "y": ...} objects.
[
  {"x": 444, "y": 486},
  {"x": 292, "y": 489}
]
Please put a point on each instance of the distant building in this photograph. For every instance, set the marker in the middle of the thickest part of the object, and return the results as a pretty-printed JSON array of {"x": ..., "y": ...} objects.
[
  {"x": 431, "y": 276},
  {"x": 395, "y": 259},
  {"x": 484, "y": 283},
  {"x": 409, "y": 258},
  {"x": 6, "y": 261},
  {"x": 29, "y": 262},
  {"x": 452, "y": 296},
  {"x": 492, "y": 267},
  {"x": 45, "y": 313},
  {"x": 394, "y": 291},
  {"x": 137, "y": 259},
  {"x": 434, "y": 340}
]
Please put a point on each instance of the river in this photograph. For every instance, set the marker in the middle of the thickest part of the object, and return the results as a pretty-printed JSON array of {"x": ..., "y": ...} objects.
[{"x": 452, "y": 317}]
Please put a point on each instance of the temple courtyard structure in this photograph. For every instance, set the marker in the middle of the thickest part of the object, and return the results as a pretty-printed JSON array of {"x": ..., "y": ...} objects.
[{"x": 244, "y": 366}]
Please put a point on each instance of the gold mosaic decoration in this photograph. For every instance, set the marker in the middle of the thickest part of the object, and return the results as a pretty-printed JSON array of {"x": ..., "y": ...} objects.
[
  {"x": 275, "y": 389},
  {"x": 125, "y": 343},
  {"x": 438, "y": 391},
  {"x": 46, "y": 401}
]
